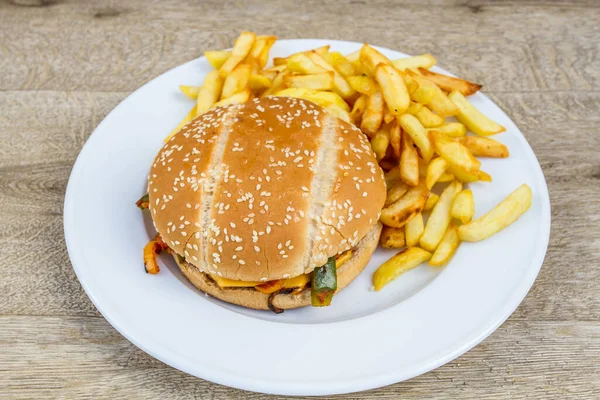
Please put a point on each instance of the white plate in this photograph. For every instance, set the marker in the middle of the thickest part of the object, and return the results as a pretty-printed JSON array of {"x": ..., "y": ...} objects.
[{"x": 365, "y": 340}]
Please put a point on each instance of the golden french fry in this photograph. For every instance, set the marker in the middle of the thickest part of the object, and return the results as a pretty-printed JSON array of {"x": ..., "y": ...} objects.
[
  {"x": 259, "y": 82},
  {"x": 446, "y": 177},
  {"x": 380, "y": 143},
  {"x": 484, "y": 176},
  {"x": 190, "y": 116},
  {"x": 392, "y": 238},
  {"x": 414, "y": 108},
  {"x": 392, "y": 176},
  {"x": 237, "y": 98},
  {"x": 431, "y": 201},
  {"x": 241, "y": 49},
  {"x": 447, "y": 246},
  {"x": 465, "y": 176},
  {"x": 411, "y": 125},
  {"x": 438, "y": 101},
  {"x": 373, "y": 115},
  {"x": 435, "y": 170},
  {"x": 452, "y": 129},
  {"x": 422, "y": 61},
  {"x": 270, "y": 75},
  {"x": 397, "y": 190},
  {"x": 405, "y": 260},
  {"x": 409, "y": 161},
  {"x": 339, "y": 112},
  {"x": 423, "y": 94},
  {"x": 320, "y": 81},
  {"x": 363, "y": 84},
  {"x": 190, "y": 91},
  {"x": 341, "y": 86},
  {"x": 405, "y": 208},
  {"x": 449, "y": 83},
  {"x": 357, "y": 109},
  {"x": 414, "y": 229},
  {"x": 412, "y": 86},
  {"x": 322, "y": 49},
  {"x": 475, "y": 121},
  {"x": 260, "y": 50},
  {"x": 484, "y": 147},
  {"x": 237, "y": 80},
  {"x": 302, "y": 64},
  {"x": 388, "y": 117},
  {"x": 278, "y": 68},
  {"x": 428, "y": 119},
  {"x": 454, "y": 152},
  {"x": 440, "y": 217},
  {"x": 396, "y": 138},
  {"x": 354, "y": 57},
  {"x": 498, "y": 218},
  {"x": 340, "y": 63},
  {"x": 209, "y": 92},
  {"x": 217, "y": 58},
  {"x": 463, "y": 206},
  {"x": 393, "y": 88},
  {"x": 370, "y": 58},
  {"x": 316, "y": 96}
]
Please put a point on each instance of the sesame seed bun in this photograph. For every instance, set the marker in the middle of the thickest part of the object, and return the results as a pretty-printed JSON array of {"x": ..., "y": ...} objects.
[
  {"x": 265, "y": 190},
  {"x": 252, "y": 298}
]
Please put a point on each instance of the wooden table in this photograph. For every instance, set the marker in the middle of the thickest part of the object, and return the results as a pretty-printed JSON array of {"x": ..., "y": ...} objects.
[{"x": 65, "y": 64}]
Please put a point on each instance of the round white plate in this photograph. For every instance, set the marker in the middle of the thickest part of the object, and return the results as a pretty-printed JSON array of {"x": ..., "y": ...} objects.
[{"x": 364, "y": 340}]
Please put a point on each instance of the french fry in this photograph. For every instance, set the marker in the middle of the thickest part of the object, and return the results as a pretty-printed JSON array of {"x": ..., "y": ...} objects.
[
  {"x": 452, "y": 129},
  {"x": 259, "y": 82},
  {"x": 423, "y": 94},
  {"x": 302, "y": 64},
  {"x": 241, "y": 49},
  {"x": 217, "y": 58},
  {"x": 380, "y": 143},
  {"x": 260, "y": 50},
  {"x": 428, "y": 119},
  {"x": 190, "y": 91},
  {"x": 392, "y": 238},
  {"x": 411, "y": 85},
  {"x": 422, "y": 61},
  {"x": 449, "y": 83},
  {"x": 405, "y": 208},
  {"x": 370, "y": 58},
  {"x": 414, "y": 108},
  {"x": 411, "y": 125},
  {"x": 320, "y": 81},
  {"x": 237, "y": 98},
  {"x": 373, "y": 115},
  {"x": 445, "y": 177},
  {"x": 498, "y": 218},
  {"x": 209, "y": 92},
  {"x": 363, "y": 84},
  {"x": 440, "y": 218},
  {"x": 341, "y": 86},
  {"x": 237, "y": 80},
  {"x": 405, "y": 260},
  {"x": 388, "y": 117},
  {"x": 277, "y": 68},
  {"x": 357, "y": 109},
  {"x": 339, "y": 112},
  {"x": 435, "y": 170},
  {"x": 190, "y": 116},
  {"x": 454, "y": 152},
  {"x": 463, "y": 206},
  {"x": 484, "y": 147},
  {"x": 340, "y": 63},
  {"x": 438, "y": 101},
  {"x": 316, "y": 96},
  {"x": 409, "y": 161},
  {"x": 447, "y": 246},
  {"x": 392, "y": 176},
  {"x": 466, "y": 176},
  {"x": 270, "y": 75},
  {"x": 393, "y": 88},
  {"x": 474, "y": 120},
  {"x": 414, "y": 229},
  {"x": 397, "y": 190},
  {"x": 322, "y": 49},
  {"x": 396, "y": 138},
  {"x": 276, "y": 85},
  {"x": 431, "y": 201}
]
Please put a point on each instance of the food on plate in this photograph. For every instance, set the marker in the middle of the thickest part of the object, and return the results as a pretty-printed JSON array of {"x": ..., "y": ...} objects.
[
  {"x": 270, "y": 204},
  {"x": 499, "y": 217},
  {"x": 406, "y": 111}
]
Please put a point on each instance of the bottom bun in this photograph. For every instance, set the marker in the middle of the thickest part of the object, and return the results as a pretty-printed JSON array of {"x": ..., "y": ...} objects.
[{"x": 252, "y": 298}]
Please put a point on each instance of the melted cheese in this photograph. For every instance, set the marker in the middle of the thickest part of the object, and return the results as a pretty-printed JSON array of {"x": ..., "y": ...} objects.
[{"x": 296, "y": 282}]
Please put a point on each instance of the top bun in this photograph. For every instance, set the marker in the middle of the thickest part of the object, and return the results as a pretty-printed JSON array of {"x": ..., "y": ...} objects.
[{"x": 265, "y": 190}]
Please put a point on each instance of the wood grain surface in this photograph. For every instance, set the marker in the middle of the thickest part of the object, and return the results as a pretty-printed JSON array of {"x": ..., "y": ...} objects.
[{"x": 65, "y": 64}]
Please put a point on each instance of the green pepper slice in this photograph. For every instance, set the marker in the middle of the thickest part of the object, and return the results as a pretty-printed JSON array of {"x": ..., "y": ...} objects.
[
  {"x": 143, "y": 202},
  {"x": 323, "y": 284}
]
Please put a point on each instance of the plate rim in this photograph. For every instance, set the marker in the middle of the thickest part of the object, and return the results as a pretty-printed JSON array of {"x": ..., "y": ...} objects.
[{"x": 281, "y": 387}]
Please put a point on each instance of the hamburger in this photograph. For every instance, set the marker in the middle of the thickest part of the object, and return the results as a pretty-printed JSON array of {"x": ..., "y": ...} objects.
[{"x": 272, "y": 204}]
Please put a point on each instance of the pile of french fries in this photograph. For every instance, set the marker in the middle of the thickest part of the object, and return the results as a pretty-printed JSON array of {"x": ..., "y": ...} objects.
[{"x": 417, "y": 122}]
